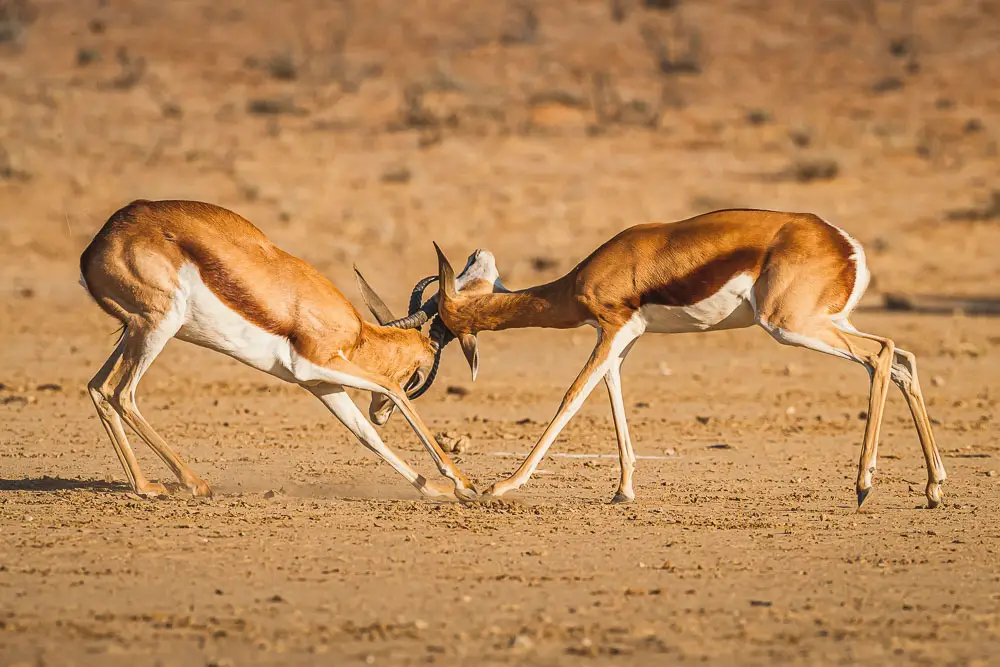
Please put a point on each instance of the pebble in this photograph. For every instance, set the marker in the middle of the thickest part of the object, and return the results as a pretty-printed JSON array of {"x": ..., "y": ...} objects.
[{"x": 453, "y": 442}]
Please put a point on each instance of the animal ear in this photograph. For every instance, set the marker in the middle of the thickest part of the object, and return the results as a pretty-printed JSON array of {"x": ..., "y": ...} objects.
[
  {"x": 373, "y": 300},
  {"x": 470, "y": 346},
  {"x": 446, "y": 275}
]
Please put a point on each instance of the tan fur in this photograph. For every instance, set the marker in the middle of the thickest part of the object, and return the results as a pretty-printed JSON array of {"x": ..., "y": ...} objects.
[
  {"x": 803, "y": 273},
  {"x": 135, "y": 257},
  {"x": 671, "y": 264},
  {"x": 131, "y": 269}
]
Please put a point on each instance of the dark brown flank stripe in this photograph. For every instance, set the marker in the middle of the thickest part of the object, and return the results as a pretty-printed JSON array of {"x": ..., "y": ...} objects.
[
  {"x": 705, "y": 280},
  {"x": 228, "y": 289}
]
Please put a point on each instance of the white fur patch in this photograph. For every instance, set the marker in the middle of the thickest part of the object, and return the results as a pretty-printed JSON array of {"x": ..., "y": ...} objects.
[
  {"x": 206, "y": 321},
  {"x": 210, "y": 323},
  {"x": 481, "y": 265},
  {"x": 799, "y": 340},
  {"x": 729, "y": 308},
  {"x": 862, "y": 275}
]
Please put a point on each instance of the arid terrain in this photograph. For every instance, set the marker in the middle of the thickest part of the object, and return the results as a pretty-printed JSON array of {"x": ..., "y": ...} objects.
[{"x": 361, "y": 131}]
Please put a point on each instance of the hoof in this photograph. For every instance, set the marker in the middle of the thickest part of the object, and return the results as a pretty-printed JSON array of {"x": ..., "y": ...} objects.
[
  {"x": 935, "y": 497},
  {"x": 622, "y": 498},
  {"x": 200, "y": 489},
  {"x": 863, "y": 496},
  {"x": 152, "y": 490},
  {"x": 438, "y": 491},
  {"x": 467, "y": 495},
  {"x": 493, "y": 492}
]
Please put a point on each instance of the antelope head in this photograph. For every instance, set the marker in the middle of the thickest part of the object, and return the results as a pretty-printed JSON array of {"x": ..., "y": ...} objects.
[{"x": 480, "y": 276}]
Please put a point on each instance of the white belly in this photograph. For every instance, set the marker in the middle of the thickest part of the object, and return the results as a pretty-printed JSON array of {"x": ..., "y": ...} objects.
[
  {"x": 729, "y": 308},
  {"x": 210, "y": 323}
]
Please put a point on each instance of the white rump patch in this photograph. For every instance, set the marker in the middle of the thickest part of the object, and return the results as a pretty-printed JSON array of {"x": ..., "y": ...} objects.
[
  {"x": 729, "y": 308},
  {"x": 862, "y": 276}
]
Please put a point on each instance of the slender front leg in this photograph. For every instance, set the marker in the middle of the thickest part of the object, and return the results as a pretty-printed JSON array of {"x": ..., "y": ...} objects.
[
  {"x": 351, "y": 375},
  {"x": 626, "y": 457},
  {"x": 343, "y": 408},
  {"x": 464, "y": 489},
  {"x": 610, "y": 344}
]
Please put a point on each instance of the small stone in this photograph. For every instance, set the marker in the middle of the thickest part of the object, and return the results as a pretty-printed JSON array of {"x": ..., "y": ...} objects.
[
  {"x": 991, "y": 473},
  {"x": 399, "y": 174},
  {"x": 268, "y": 495},
  {"x": 455, "y": 390},
  {"x": 937, "y": 381},
  {"x": 790, "y": 410},
  {"x": 703, "y": 420},
  {"x": 522, "y": 643},
  {"x": 452, "y": 442},
  {"x": 664, "y": 369}
]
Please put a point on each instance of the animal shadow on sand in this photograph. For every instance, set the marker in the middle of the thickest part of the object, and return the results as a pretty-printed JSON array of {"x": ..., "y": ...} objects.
[{"x": 62, "y": 484}]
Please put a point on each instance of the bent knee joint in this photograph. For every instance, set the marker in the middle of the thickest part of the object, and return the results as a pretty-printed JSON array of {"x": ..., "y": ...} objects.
[{"x": 100, "y": 399}]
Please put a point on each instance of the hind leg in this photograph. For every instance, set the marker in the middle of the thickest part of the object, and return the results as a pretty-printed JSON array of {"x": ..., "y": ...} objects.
[
  {"x": 142, "y": 345},
  {"x": 821, "y": 334},
  {"x": 100, "y": 388},
  {"x": 904, "y": 374}
]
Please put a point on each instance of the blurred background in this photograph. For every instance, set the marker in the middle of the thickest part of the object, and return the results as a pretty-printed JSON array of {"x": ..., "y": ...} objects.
[{"x": 361, "y": 130}]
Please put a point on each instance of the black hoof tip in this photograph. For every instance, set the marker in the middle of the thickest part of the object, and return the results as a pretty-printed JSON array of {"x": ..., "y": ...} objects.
[
  {"x": 863, "y": 496},
  {"x": 621, "y": 498}
]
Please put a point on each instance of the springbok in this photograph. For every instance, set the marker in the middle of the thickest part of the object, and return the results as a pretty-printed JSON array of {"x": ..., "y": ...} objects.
[
  {"x": 793, "y": 274},
  {"x": 205, "y": 275}
]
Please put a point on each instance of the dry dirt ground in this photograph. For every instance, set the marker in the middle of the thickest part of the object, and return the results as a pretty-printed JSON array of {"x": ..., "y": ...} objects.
[{"x": 360, "y": 131}]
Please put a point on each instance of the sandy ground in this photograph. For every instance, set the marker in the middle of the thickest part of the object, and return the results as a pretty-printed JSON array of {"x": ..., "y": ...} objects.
[{"x": 463, "y": 123}]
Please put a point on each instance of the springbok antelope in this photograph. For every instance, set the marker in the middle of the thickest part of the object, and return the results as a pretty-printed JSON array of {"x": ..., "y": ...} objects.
[
  {"x": 793, "y": 274},
  {"x": 201, "y": 273}
]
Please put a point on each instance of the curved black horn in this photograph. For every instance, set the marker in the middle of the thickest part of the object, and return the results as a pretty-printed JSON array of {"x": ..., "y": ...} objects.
[
  {"x": 414, "y": 321},
  {"x": 440, "y": 337},
  {"x": 417, "y": 295}
]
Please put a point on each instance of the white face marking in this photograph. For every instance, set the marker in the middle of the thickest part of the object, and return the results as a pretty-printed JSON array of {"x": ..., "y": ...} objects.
[
  {"x": 481, "y": 265},
  {"x": 729, "y": 308}
]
